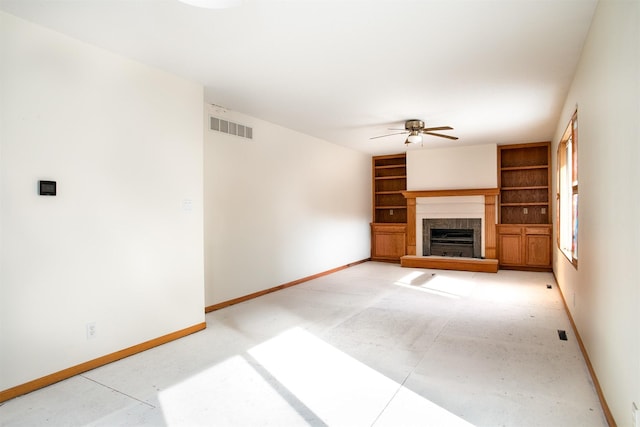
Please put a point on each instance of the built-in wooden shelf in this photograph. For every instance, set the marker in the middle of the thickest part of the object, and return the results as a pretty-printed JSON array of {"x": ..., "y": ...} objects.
[
  {"x": 389, "y": 180},
  {"x": 520, "y": 168},
  {"x": 391, "y": 177},
  {"x": 525, "y": 204},
  {"x": 524, "y": 180},
  {"x": 524, "y": 187},
  {"x": 381, "y": 159},
  {"x": 389, "y": 210},
  {"x": 524, "y": 231}
]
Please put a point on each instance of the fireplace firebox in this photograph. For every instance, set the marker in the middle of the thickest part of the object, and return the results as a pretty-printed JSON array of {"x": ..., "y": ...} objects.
[
  {"x": 452, "y": 237},
  {"x": 448, "y": 242}
]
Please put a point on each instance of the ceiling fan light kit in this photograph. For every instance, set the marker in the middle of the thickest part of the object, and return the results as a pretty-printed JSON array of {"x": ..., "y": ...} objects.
[{"x": 414, "y": 138}]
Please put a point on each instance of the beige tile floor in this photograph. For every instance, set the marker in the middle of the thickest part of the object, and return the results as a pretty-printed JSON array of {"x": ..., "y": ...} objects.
[{"x": 372, "y": 345}]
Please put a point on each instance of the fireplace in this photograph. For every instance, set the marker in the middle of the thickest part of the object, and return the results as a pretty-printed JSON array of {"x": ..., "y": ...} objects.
[
  {"x": 452, "y": 237},
  {"x": 431, "y": 205}
]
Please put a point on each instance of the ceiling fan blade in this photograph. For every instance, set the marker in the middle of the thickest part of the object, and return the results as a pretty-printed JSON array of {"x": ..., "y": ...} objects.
[
  {"x": 438, "y": 128},
  {"x": 441, "y": 135},
  {"x": 391, "y": 134}
]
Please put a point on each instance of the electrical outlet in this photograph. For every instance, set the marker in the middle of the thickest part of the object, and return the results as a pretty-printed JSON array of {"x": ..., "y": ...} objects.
[
  {"x": 390, "y": 211},
  {"x": 543, "y": 211},
  {"x": 91, "y": 330},
  {"x": 525, "y": 211}
]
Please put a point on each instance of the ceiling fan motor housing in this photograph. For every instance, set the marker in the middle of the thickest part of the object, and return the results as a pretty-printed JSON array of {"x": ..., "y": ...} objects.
[{"x": 414, "y": 125}]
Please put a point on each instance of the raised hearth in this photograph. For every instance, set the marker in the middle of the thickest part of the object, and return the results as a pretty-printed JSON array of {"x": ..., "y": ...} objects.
[{"x": 447, "y": 263}]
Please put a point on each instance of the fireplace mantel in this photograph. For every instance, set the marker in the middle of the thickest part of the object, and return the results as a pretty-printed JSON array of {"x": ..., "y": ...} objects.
[
  {"x": 448, "y": 193},
  {"x": 411, "y": 260}
]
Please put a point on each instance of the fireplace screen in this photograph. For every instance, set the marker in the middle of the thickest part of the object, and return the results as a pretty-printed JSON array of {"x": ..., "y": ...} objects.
[{"x": 453, "y": 237}]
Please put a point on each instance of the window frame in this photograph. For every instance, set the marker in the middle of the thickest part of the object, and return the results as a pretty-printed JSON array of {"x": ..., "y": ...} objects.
[{"x": 567, "y": 195}]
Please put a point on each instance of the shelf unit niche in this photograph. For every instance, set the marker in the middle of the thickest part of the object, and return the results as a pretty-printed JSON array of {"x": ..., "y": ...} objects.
[
  {"x": 389, "y": 226},
  {"x": 389, "y": 181},
  {"x": 524, "y": 180}
]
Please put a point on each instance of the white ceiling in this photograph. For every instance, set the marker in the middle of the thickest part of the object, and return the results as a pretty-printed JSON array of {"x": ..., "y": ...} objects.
[{"x": 347, "y": 70}]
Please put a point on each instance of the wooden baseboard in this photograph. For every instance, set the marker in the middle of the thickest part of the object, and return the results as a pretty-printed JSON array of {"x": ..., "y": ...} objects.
[
  {"x": 238, "y": 300},
  {"x": 96, "y": 363},
  {"x": 388, "y": 260},
  {"x": 526, "y": 268},
  {"x": 447, "y": 263},
  {"x": 603, "y": 402}
]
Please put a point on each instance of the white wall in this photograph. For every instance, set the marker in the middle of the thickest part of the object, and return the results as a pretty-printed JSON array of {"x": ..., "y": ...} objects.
[
  {"x": 280, "y": 207},
  {"x": 124, "y": 143},
  {"x": 453, "y": 167},
  {"x": 603, "y": 294}
]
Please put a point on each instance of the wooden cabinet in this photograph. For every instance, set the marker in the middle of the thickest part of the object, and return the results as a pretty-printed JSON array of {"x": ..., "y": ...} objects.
[
  {"x": 538, "y": 250},
  {"x": 388, "y": 241},
  {"x": 389, "y": 213},
  {"x": 524, "y": 246},
  {"x": 510, "y": 246},
  {"x": 524, "y": 180}
]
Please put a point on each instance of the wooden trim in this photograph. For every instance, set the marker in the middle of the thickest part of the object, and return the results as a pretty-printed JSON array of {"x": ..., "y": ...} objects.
[
  {"x": 391, "y": 156},
  {"x": 446, "y": 263},
  {"x": 571, "y": 132},
  {"x": 411, "y": 226},
  {"x": 525, "y": 268},
  {"x": 373, "y": 189},
  {"x": 96, "y": 363},
  {"x": 490, "y": 249},
  {"x": 526, "y": 144},
  {"x": 446, "y": 193},
  {"x": 238, "y": 300},
  {"x": 603, "y": 402}
]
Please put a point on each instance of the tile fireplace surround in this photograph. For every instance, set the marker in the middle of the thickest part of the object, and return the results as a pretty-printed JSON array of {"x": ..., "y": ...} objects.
[{"x": 466, "y": 203}]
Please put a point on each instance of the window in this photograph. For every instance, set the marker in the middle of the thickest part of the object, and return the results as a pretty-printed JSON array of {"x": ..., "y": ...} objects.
[{"x": 567, "y": 196}]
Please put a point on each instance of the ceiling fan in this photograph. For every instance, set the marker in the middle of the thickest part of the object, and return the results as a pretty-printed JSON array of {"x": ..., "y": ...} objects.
[{"x": 415, "y": 129}]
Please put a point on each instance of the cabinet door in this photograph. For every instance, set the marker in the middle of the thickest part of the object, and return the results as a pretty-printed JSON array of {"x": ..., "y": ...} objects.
[
  {"x": 538, "y": 252},
  {"x": 510, "y": 249},
  {"x": 388, "y": 245}
]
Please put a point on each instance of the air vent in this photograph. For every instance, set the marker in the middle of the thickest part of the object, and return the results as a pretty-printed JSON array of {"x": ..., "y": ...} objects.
[{"x": 231, "y": 128}]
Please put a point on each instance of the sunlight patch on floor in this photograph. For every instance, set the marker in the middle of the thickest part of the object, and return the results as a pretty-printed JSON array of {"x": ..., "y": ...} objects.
[
  {"x": 437, "y": 284},
  {"x": 410, "y": 409},
  {"x": 336, "y": 387},
  {"x": 229, "y": 393}
]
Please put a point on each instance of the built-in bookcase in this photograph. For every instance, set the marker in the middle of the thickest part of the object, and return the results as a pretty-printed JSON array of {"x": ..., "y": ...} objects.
[
  {"x": 389, "y": 181},
  {"x": 524, "y": 230},
  {"x": 524, "y": 182},
  {"x": 388, "y": 229}
]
